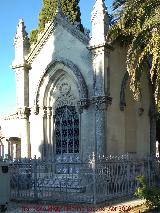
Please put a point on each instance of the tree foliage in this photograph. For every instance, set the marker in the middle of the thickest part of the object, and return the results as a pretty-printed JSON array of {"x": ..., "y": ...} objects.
[
  {"x": 150, "y": 194},
  {"x": 70, "y": 8},
  {"x": 33, "y": 36},
  {"x": 138, "y": 26}
]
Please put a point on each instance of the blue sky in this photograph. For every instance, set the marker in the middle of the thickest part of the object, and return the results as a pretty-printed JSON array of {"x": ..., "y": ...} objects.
[{"x": 10, "y": 12}]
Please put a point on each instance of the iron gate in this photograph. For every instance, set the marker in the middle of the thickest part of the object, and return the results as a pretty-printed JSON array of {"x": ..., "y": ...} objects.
[{"x": 93, "y": 181}]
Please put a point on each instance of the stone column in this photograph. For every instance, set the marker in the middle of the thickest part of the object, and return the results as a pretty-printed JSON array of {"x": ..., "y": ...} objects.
[
  {"x": 82, "y": 104},
  {"x": 101, "y": 104},
  {"x": 43, "y": 130},
  {"x": 23, "y": 115},
  {"x": 49, "y": 115},
  {"x": 100, "y": 54},
  {"x": 9, "y": 148},
  {"x": 14, "y": 150},
  {"x": 100, "y": 99}
]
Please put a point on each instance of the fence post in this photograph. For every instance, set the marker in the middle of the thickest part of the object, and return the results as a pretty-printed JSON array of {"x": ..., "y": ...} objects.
[
  {"x": 94, "y": 177},
  {"x": 18, "y": 182},
  {"x": 35, "y": 177}
]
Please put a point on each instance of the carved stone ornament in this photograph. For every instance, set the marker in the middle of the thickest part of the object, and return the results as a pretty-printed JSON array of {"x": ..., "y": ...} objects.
[
  {"x": 35, "y": 109},
  {"x": 23, "y": 113},
  {"x": 69, "y": 100},
  {"x": 25, "y": 65},
  {"x": 21, "y": 35},
  {"x": 49, "y": 112},
  {"x": 82, "y": 104},
  {"x": 60, "y": 19},
  {"x": 43, "y": 111},
  {"x": 65, "y": 89},
  {"x": 101, "y": 102}
]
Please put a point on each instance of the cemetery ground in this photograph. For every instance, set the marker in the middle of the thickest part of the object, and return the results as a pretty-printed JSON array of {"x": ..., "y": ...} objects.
[{"x": 131, "y": 205}]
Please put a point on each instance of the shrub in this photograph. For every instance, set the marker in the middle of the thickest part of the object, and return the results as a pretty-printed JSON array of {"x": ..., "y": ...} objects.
[{"x": 150, "y": 194}]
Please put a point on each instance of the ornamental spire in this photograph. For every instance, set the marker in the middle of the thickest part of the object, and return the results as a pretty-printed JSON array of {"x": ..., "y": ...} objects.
[
  {"x": 21, "y": 42},
  {"x": 100, "y": 22},
  {"x": 21, "y": 32}
]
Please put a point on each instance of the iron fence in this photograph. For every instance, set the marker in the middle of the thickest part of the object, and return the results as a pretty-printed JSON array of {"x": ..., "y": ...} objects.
[{"x": 92, "y": 181}]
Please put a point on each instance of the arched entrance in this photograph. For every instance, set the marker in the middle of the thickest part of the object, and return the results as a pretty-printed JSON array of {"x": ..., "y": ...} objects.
[{"x": 60, "y": 98}]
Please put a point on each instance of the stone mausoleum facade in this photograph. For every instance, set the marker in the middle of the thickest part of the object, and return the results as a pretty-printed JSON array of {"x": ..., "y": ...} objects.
[{"x": 73, "y": 95}]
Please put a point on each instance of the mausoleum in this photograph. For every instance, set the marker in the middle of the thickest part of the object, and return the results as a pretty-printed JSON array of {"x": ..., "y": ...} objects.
[{"x": 73, "y": 95}]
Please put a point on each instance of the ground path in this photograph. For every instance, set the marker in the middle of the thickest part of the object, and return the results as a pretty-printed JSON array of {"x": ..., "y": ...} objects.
[{"x": 118, "y": 207}]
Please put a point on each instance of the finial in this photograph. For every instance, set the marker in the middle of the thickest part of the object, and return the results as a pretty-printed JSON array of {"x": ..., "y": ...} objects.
[
  {"x": 21, "y": 33},
  {"x": 100, "y": 23},
  {"x": 99, "y": 7},
  {"x": 21, "y": 21},
  {"x": 59, "y": 7}
]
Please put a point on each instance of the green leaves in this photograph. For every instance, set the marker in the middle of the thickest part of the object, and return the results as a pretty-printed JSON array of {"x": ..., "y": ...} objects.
[
  {"x": 33, "y": 36},
  {"x": 69, "y": 7},
  {"x": 138, "y": 27},
  {"x": 150, "y": 194}
]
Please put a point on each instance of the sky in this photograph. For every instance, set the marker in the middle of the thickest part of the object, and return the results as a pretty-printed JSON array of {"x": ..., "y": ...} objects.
[{"x": 10, "y": 12}]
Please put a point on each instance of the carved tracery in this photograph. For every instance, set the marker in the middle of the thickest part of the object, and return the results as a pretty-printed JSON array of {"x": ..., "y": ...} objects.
[{"x": 71, "y": 70}]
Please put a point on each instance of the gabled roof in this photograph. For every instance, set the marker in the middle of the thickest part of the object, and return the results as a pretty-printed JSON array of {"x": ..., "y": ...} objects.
[{"x": 49, "y": 29}]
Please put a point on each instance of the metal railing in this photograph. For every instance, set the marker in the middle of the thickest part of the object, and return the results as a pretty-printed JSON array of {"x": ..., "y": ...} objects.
[{"x": 92, "y": 181}]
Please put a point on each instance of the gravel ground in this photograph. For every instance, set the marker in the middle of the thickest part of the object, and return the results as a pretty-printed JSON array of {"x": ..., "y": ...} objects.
[{"x": 14, "y": 207}]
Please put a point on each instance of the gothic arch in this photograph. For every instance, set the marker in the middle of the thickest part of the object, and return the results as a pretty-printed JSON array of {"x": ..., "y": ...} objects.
[
  {"x": 53, "y": 70},
  {"x": 122, "y": 92},
  {"x": 60, "y": 91}
]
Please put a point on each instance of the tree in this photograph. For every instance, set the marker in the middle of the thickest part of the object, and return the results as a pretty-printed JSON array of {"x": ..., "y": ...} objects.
[
  {"x": 138, "y": 26},
  {"x": 70, "y": 8}
]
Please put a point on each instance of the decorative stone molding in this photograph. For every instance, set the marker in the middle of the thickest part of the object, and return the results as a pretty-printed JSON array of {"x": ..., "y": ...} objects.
[
  {"x": 61, "y": 101},
  {"x": 100, "y": 10},
  {"x": 63, "y": 93},
  {"x": 122, "y": 92},
  {"x": 100, "y": 49},
  {"x": 10, "y": 117},
  {"x": 83, "y": 91},
  {"x": 49, "y": 29},
  {"x": 23, "y": 113},
  {"x": 82, "y": 104},
  {"x": 86, "y": 32},
  {"x": 21, "y": 35},
  {"x": 43, "y": 111},
  {"x": 49, "y": 112},
  {"x": 35, "y": 110},
  {"x": 43, "y": 38},
  {"x": 73, "y": 29},
  {"x": 100, "y": 22},
  {"x": 101, "y": 102},
  {"x": 24, "y": 65},
  {"x": 65, "y": 88}
]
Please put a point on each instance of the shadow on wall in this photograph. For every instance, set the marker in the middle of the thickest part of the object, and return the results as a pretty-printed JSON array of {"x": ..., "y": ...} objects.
[{"x": 46, "y": 151}]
